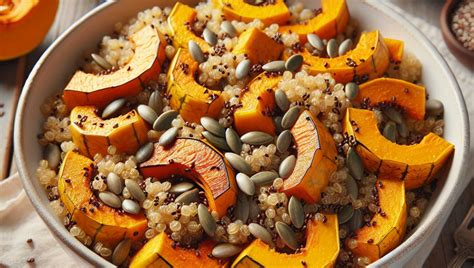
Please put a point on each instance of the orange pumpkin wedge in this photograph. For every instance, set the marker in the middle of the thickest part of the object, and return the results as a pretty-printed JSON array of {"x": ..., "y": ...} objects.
[
  {"x": 415, "y": 164},
  {"x": 395, "y": 48},
  {"x": 100, "y": 89},
  {"x": 189, "y": 98},
  {"x": 387, "y": 227},
  {"x": 316, "y": 153},
  {"x": 92, "y": 135},
  {"x": 408, "y": 96},
  {"x": 99, "y": 221},
  {"x": 258, "y": 47},
  {"x": 240, "y": 10},
  {"x": 258, "y": 103},
  {"x": 199, "y": 161},
  {"x": 321, "y": 250},
  {"x": 330, "y": 22},
  {"x": 369, "y": 59},
  {"x": 23, "y": 25},
  {"x": 180, "y": 17}
]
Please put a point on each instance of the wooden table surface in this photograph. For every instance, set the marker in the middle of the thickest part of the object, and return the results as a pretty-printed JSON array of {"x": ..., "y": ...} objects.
[{"x": 14, "y": 72}]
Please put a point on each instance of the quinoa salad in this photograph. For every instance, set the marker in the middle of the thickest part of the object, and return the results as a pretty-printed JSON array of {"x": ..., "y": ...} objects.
[{"x": 243, "y": 134}]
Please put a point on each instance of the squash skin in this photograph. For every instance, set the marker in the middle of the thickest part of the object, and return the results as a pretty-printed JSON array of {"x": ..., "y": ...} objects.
[
  {"x": 395, "y": 48},
  {"x": 321, "y": 250},
  {"x": 179, "y": 16},
  {"x": 329, "y": 23},
  {"x": 99, "y": 90},
  {"x": 101, "y": 223},
  {"x": 415, "y": 164},
  {"x": 255, "y": 44},
  {"x": 158, "y": 252},
  {"x": 94, "y": 135},
  {"x": 240, "y": 10},
  {"x": 315, "y": 162},
  {"x": 258, "y": 104},
  {"x": 389, "y": 230},
  {"x": 24, "y": 27},
  {"x": 370, "y": 62},
  {"x": 198, "y": 161},
  {"x": 409, "y": 96},
  {"x": 189, "y": 98}
]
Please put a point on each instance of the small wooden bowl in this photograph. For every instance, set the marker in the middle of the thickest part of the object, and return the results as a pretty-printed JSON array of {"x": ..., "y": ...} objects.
[{"x": 463, "y": 54}]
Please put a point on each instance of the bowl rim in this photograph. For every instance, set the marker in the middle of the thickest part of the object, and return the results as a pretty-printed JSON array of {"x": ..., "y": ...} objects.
[{"x": 58, "y": 230}]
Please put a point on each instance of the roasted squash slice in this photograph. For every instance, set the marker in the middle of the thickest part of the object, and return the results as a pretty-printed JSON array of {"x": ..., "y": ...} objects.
[
  {"x": 330, "y": 22},
  {"x": 102, "y": 223},
  {"x": 258, "y": 104},
  {"x": 24, "y": 24},
  {"x": 407, "y": 95},
  {"x": 415, "y": 164},
  {"x": 241, "y": 10},
  {"x": 315, "y": 162},
  {"x": 199, "y": 161},
  {"x": 387, "y": 227},
  {"x": 159, "y": 252},
  {"x": 395, "y": 48},
  {"x": 100, "y": 89},
  {"x": 368, "y": 60},
  {"x": 179, "y": 19},
  {"x": 189, "y": 98},
  {"x": 92, "y": 135},
  {"x": 258, "y": 47},
  {"x": 321, "y": 250}
]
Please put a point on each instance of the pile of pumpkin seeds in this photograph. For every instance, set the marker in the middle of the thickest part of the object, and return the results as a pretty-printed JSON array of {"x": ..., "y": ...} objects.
[{"x": 330, "y": 48}]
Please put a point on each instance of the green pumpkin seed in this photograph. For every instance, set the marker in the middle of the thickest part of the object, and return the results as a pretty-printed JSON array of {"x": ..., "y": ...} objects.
[
  {"x": 357, "y": 220},
  {"x": 147, "y": 113},
  {"x": 114, "y": 183},
  {"x": 260, "y": 232},
  {"x": 228, "y": 28},
  {"x": 393, "y": 115},
  {"x": 103, "y": 63},
  {"x": 254, "y": 210},
  {"x": 264, "y": 177},
  {"x": 145, "y": 152},
  {"x": 274, "y": 66},
  {"x": 52, "y": 154},
  {"x": 287, "y": 166},
  {"x": 287, "y": 235},
  {"x": 135, "y": 190},
  {"x": 225, "y": 250},
  {"x": 206, "y": 220},
  {"x": 195, "y": 51},
  {"x": 351, "y": 90},
  {"x": 188, "y": 197},
  {"x": 296, "y": 211},
  {"x": 256, "y": 138},
  {"x": 245, "y": 184},
  {"x": 284, "y": 141},
  {"x": 110, "y": 199},
  {"x": 277, "y": 122},
  {"x": 121, "y": 251},
  {"x": 352, "y": 187},
  {"x": 290, "y": 117},
  {"x": 233, "y": 140},
  {"x": 238, "y": 163},
  {"x": 113, "y": 108},
  {"x": 354, "y": 163},
  {"x": 282, "y": 100},
  {"x": 130, "y": 206},
  {"x": 209, "y": 36},
  {"x": 181, "y": 187},
  {"x": 242, "y": 208},
  {"x": 156, "y": 102},
  {"x": 243, "y": 69},
  {"x": 331, "y": 48},
  {"x": 294, "y": 62},
  {"x": 216, "y": 141},
  {"x": 403, "y": 129},
  {"x": 163, "y": 122},
  {"x": 345, "y": 46},
  {"x": 211, "y": 125},
  {"x": 345, "y": 214},
  {"x": 434, "y": 107},
  {"x": 315, "y": 41},
  {"x": 168, "y": 136},
  {"x": 390, "y": 131}
]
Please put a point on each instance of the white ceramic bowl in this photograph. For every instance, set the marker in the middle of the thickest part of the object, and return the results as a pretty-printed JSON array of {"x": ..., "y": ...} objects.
[{"x": 59, "y": 62}]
